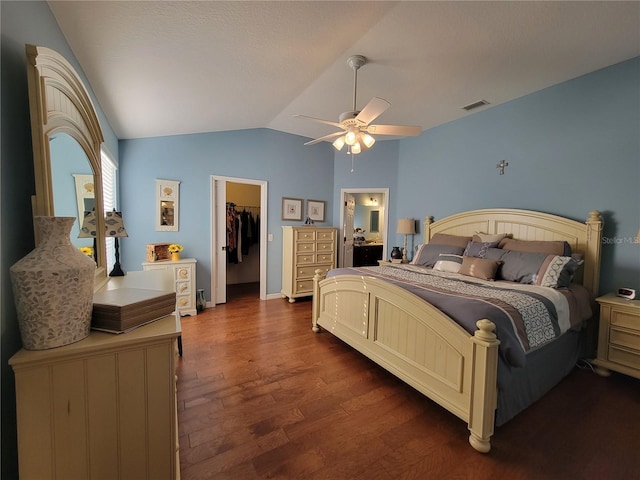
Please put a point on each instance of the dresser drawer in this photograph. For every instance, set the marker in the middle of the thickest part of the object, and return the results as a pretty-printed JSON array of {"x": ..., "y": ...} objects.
[
  {"x": 324, "y": 257},
  {"x": 184, "y": 302},
  {"x": 305, "y": 258},
  {"x": 625, "y": 319},
  {"x": 305, "y": 247},
  {"x": 326, "y": 235},
  {"x": 183, "y": 273},
  {"x": 625, "y": 338},
  {"x": 306, "y": 271},
  {"x": 303, "y": 286},
  {"x": 324, "y": 246},
  {"x": 183, "y": 287},
  {"x": 305, "y": 235},
  {"x": 624, "y": 357}
]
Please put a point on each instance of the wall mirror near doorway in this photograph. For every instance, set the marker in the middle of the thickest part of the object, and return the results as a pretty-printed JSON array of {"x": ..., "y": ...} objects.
[{"x": 167, "y": 205}]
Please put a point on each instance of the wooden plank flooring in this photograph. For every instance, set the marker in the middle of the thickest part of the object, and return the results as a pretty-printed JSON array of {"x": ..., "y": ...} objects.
[{"x": 261, "y": 396}]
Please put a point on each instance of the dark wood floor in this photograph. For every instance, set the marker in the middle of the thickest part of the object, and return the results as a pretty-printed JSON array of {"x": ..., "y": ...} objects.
[{"x": 261, "y": 396}]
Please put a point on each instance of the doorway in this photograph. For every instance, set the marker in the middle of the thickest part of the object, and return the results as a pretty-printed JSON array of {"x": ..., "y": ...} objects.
[
  {"x": 370, "y": 213},
  {"x": 238, "y": 237}
]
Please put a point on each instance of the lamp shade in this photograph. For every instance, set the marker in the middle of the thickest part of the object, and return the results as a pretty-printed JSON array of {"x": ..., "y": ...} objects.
[
  {"x": 406, "y": 226},
  {"x": 88, "y": 228},
  {"x": 114, "y": 225}
]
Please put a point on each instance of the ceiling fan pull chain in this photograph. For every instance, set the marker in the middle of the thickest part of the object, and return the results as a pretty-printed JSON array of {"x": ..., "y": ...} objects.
[{"x": 352, "y": 163}]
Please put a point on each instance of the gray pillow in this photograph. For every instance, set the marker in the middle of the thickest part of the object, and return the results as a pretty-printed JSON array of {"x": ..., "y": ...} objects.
[
  {"x": 521, "y": 267},
  {"x": 478, "y": 249},
  {"x": 555, "y": 271},
  {"x": 427, "y": 254}
]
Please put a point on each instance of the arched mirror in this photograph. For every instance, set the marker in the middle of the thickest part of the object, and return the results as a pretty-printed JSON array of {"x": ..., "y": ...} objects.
[{"x": 66, "y": 139}]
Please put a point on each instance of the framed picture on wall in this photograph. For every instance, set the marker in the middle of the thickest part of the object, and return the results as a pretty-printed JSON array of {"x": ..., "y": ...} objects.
[
  {"x": 291, "y": 208},
  {"x": 315, "y": 210}
]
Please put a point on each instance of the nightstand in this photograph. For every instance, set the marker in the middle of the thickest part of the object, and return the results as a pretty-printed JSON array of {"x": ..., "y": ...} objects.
[
  {"x": 388, "y": 262},
  {"x": 618, "y": 336}
]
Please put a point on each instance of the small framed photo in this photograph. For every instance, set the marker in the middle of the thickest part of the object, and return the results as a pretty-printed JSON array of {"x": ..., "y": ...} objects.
[
  {"x": 291, "y": 208},
  {"x": 315, "y": 210}
]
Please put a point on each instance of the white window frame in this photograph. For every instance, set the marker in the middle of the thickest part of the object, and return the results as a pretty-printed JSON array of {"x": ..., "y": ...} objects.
[{"x": 109, "y": 198}]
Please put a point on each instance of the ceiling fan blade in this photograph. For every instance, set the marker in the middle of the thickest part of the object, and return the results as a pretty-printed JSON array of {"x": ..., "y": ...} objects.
[
  {"x": 326, "y": 137},
  {"x": 399, "y": 130},
  {"x": 372, "y": 110},
  {"x": 333, "y": 124}
]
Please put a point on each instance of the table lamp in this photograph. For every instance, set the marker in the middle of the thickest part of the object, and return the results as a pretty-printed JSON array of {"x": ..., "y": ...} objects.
[{"x": 406, "y": 226}]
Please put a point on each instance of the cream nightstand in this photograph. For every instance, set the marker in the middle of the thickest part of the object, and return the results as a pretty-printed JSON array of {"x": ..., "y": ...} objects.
[{"x": 618, "y": 336}]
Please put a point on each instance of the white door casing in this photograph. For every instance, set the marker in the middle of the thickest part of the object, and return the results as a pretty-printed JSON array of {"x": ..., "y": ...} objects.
[
  {"x": 349, "y": 205},
  {"x": 219, "y": 236}
]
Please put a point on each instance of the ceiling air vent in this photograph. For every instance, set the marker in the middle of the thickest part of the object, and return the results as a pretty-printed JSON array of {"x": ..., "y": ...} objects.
[{"x": 475, "y": 105}]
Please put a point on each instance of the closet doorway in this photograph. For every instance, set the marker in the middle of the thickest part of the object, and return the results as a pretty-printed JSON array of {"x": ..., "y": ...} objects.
[{"x": 238, "y": 243}]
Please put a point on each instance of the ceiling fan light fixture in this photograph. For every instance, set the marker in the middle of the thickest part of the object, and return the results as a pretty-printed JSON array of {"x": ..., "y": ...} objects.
[
  {"x": 339, "y": 143},
  {"x": 355, "y": 148},
  {"x": 368, "y": 140},
  {"x": 351, "y": 137}
]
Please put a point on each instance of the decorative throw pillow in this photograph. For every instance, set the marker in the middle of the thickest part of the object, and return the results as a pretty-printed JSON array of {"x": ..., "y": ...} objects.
[
  {"x": 427, "y": 254},
  {"x": 448, "y": 263},
  {"x": 444, "y": 239},
  {"x": 479, "y": 267},
  {"x": 550, "y": 247},
  {"x": 490, "y": 237},
  {"x": 478, "y": 249},
  {"x": 557, "y": 271}
]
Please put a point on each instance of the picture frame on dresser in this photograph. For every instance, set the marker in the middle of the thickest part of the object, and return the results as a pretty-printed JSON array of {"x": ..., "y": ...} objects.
[
  {"x": 315, "y": 210},
  {"x": 291, "y": 208}
]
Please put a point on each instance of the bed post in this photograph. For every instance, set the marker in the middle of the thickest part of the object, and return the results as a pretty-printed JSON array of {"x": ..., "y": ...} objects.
[
  {"x": 315, "y": 306},
  {"x": 592, "y": 252},
  {"x": 484, "y": 392},
  {"x": 427, "y": 229}
]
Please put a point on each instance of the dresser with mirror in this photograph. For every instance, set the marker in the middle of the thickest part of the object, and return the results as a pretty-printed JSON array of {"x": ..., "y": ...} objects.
[{"x": 103, "y": 407}]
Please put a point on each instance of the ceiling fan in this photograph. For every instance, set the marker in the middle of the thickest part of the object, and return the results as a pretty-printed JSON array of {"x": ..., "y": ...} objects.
[{"x": 356, "y": 129}]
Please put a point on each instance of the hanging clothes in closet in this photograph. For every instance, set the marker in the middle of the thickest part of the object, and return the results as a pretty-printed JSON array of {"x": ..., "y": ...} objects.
[{"x": 243, "y": 230}]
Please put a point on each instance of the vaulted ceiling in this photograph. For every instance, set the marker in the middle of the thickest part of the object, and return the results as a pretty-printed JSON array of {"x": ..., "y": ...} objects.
[{"x": 163, "y": 68}]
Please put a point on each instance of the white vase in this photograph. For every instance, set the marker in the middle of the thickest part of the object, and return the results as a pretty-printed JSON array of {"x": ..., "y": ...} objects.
[{"x": 53, "y": 288}]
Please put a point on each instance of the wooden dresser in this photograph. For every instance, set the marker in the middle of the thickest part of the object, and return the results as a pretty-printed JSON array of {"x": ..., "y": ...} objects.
[
  {"x": 305, "y": 249},
  {"x": 184, "y": 274},
  {"x": 104, "y": 407},
  {"x": 618, "y": 336}
]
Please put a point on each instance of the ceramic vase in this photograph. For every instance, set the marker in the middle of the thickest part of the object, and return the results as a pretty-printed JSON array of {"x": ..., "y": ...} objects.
[
  {"x": 53, "y": 288},
  {"x": 201, "y": 301},
  {"x": 396, "y": 253},
  {"x": 175, "y": 256}
]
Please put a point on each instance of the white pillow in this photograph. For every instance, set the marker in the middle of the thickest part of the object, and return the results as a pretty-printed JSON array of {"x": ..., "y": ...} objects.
[{"x": 448, "y": 263}]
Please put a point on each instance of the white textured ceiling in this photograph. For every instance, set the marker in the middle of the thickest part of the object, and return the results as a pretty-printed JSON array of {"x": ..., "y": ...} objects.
[{"x": 163, "y": 68}]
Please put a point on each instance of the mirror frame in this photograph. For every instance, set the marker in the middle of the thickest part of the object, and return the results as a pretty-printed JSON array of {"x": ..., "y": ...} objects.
[
  {"x": 167, "y": 191},
  {"x": 60, "y": 103}
]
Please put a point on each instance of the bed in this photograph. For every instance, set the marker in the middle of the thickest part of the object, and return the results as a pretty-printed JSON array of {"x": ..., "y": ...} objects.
[{"x": 462, "y": 369}]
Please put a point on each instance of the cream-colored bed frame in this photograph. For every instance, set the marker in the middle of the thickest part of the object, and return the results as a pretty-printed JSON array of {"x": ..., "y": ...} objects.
[{"x": 422, "y": 346}]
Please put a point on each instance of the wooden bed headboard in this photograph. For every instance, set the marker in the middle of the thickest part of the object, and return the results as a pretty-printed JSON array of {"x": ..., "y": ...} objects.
[{"x": 584, "y": 238}]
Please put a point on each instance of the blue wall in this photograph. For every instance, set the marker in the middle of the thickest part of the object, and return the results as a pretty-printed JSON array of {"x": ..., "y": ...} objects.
[
  {"x": 290, "y": 168},
  {"x": 571, "y": 148}
]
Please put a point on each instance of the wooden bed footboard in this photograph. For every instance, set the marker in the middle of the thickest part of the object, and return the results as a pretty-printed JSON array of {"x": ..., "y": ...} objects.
[{"x": 417, "y": 343}]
